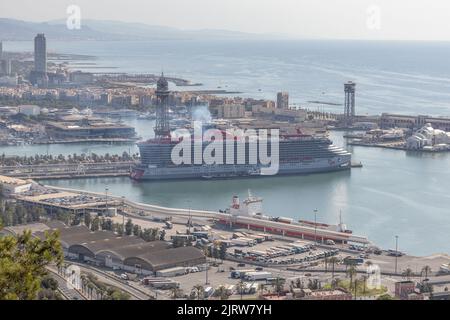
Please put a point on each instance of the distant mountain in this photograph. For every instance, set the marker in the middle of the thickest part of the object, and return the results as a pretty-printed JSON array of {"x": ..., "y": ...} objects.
[{"x": 11, "y": 29}]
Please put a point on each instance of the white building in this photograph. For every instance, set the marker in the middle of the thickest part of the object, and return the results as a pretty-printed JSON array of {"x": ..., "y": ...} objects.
[
  {"x": 30, "y": 109},
  {"x": 427, "y": 137}
]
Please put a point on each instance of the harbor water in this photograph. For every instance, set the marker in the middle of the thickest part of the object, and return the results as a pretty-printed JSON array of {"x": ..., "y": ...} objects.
[{"x": 395, "y": 193}]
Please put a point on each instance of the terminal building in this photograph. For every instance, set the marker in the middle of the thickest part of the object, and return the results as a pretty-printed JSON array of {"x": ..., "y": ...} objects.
[
  {"x": 86, "y": 129},
  {"x": 129, "y": 253}
]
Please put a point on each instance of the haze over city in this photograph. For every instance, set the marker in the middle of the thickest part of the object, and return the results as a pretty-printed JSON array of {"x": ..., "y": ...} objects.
[{"x": 326, "y": 19}]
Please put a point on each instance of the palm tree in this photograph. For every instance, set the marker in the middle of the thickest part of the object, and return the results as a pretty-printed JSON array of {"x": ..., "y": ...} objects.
[
  {"x": 261, "y": 289},
  {"x": 176, "y": 293},
  {"x": 221, "y": 292},
  {"x": 200, "y": 290},
  {"x": 356, "y": 286},
  {"x": 279, "y": 285},
  {"x": 426, "y": 269},
  {"x": 351, "y": 271},
  {"x": 333, "y": 261},
  {"x": 241, "y": 286},
  {"x": 408, "y": 273},
  {"x": 364, "y": 279}
]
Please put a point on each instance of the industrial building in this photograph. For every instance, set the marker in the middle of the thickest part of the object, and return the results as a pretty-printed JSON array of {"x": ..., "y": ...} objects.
[
  {"x": 129, "y": 253},
  {"x": 12, "y": 186},
  {"x": 413, "y": 122},
  {"x": 88, "y": 129},
  {"x": 29, "y": 109}
]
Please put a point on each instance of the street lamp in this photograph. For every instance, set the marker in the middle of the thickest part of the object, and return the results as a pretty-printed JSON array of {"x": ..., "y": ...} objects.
[
  {"x": 123, "y": 214},
  {"x": 315, "y": 226},
  {"x": 189, "y": 220},
  {"x": 396, "y": 253},
  {"x": 106, "y": 199}
]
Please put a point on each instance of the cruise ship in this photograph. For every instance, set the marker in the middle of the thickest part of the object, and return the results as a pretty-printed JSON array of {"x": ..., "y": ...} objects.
[{"x": 298, "y": 154}]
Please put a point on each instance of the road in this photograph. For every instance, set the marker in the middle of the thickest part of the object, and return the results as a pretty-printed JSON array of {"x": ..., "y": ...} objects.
[
  {"x": 129, "y": 287},
  {"x": 67, "y": 292}
]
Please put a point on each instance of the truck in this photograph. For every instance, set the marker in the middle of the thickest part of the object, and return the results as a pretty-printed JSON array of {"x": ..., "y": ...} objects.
[
  {"x": 168, "y": 225},
  {"x": 240, "y": 242},
  {"x": 208, "y": 292},
  {"x": 395, "y": 253},
  {"x": 200, "y": 234},
  {"x": 257, "y": 275},
  {"x": 353, "y": 261},
  {"x": 237, "y": 274}
]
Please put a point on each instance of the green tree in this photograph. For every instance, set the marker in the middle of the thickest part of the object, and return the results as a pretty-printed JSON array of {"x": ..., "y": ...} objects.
[
  {"x": 95, "y": 225},
  {"x": 23, "y": 262},
  {"x": 136, "y": 230},
  {"x": 129, "y": 227},
  {"x": 426, "y": 270},
  {"x": 223, "y": 251},
  {"x": 199, "y": 291},
  {"x": 49, "y": 283},
  {"x": 279, "y": 285},
  {"x": 222, "y": 293},
  {"x": 351, "y": 272},
  {"x": 87, "y": 219},
  {"x": 333, "y": 261},
  {"x": 408, "y": 273}
]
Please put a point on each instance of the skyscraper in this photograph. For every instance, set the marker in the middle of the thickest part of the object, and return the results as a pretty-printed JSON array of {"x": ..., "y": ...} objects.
[
  {"x": 283, "y": 100},
  {"x": 40, "y": 53},
  {"x": 5, "y": 67}
]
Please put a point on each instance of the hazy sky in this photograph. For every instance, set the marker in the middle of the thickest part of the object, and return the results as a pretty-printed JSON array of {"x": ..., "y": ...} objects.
[{"x": 349, "y": 19}]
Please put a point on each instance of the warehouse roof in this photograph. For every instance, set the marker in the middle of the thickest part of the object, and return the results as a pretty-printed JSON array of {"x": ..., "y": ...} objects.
[
  {"x": 153, "y": 255},
  {"x": 133, "y": 250},
  {"x": 159, "y": 259}
]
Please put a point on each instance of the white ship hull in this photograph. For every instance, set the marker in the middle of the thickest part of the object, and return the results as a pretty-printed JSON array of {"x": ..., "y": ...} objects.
[{"x": 341, "y": 162}]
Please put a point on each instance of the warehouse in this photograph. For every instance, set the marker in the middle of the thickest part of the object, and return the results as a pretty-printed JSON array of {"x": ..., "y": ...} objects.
[
  {"x": 12, "y": 186},
  {"x": 170, "y": 258},
  {"x": 130, "y": 253},
  {"x": 89, "y": 129}
]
